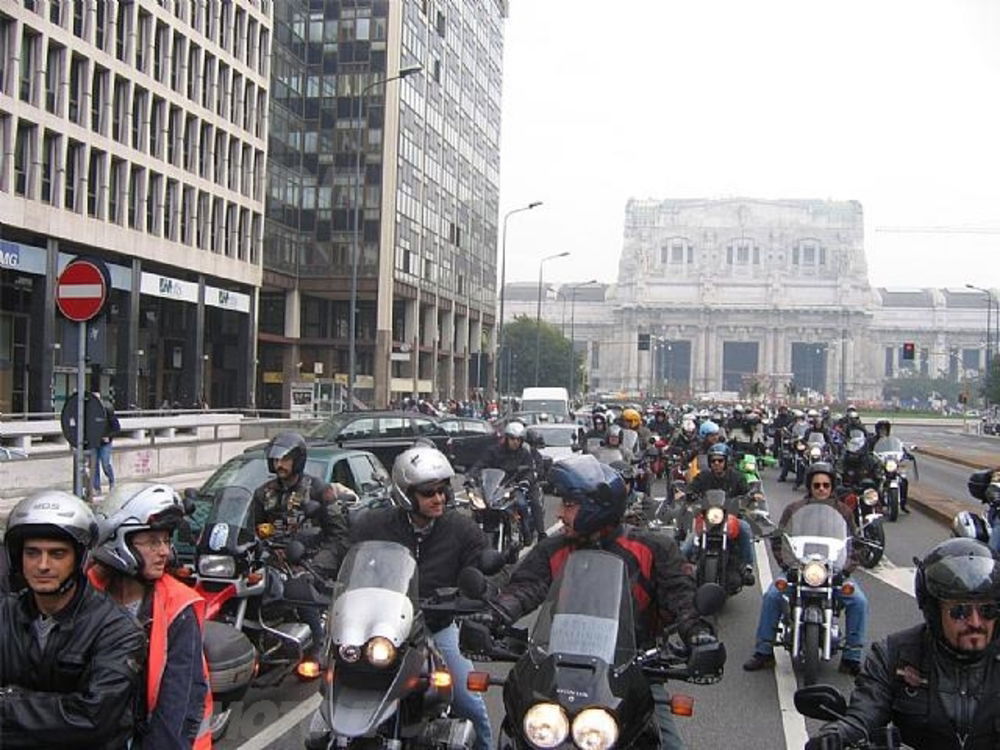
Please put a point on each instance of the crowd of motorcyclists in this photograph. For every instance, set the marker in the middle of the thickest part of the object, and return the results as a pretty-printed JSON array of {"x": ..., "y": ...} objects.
[{"x": 102, "y": 641}]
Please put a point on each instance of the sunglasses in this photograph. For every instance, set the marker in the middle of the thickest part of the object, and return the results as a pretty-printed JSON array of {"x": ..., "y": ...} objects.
[
  {"x": 717, "y": 460},
  {"x": 821, "y": 485},
  {"x": 431, "y": 491},
  {"x": 987, "y": 611}
]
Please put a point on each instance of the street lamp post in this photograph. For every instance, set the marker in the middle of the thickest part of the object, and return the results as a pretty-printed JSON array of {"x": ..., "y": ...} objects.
[
  {"x": 572, "y": 337},
  {"x": 503, "y": 285},
  {"x": 989, "y": 339},
  {"x": 538, "y": 310},
  {"x": 352, "y": 313}
]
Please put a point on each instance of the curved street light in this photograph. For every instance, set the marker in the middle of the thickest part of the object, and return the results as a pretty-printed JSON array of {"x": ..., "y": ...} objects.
[
  {"x": 352, "y": 313},
  {"x": 538, "y": 310},
  {"x": 989, "y": 338},
  {"x": 503, "y": 285}
]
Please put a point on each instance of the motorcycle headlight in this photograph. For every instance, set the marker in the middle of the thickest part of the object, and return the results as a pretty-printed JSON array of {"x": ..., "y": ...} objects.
[
  {"x": 595, "y": 729},
  {"x": 380, "y": 652},
  {"x": 715, "y": 515},
  {"x": 815, "y": 453},
  {"x": 814, "y": 574},
  {"x": 476, "y": 501},
  {"x": 869, "y": 497},
  {"x": 800, "y": 447},
  {"x": 217, "y": 566},
  {"x": 545, "y": 725},
  {"x": 891, "y": 465},
  {"x": 350, "y": 653}
]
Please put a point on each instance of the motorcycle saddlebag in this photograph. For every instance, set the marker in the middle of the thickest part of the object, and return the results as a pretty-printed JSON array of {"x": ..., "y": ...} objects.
[{"x": 232, "y": 660}]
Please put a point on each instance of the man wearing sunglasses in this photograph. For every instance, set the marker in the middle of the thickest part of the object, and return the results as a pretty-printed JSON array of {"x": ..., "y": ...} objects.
[
  {"x": 820, "y": 478},
  {"x": 936, "y": 682}
]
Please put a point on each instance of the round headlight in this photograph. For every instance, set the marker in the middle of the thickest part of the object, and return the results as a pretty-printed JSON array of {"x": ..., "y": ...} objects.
[
  {"x": 349, "y": 653},
  {"x": 815, "y": 452},
  {"x": 891, "y": 465},
  {"x": 715, "y": 515},
  {"x": 595, "y": 729},
  {"x": 546, "y": 725},
  {"x": 380, "y": 652},
  {"x": 869, "y": 497},
  {"x": 814, "y": 574}
]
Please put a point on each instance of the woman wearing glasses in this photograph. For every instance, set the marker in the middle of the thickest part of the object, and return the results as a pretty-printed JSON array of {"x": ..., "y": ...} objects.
[
  {"x": 131, "y": 563},
  {"x": 820, "y": 478},
  {"x": 936, "y": 682}
]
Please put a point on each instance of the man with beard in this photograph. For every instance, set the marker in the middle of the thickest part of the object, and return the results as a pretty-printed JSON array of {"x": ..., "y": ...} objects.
[{"x": 936, "y": 682}]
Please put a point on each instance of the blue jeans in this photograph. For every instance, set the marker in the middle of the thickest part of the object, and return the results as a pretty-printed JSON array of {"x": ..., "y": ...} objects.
[
  {"x": 744, "y": 543},
  {"x": 669, "y": 737},
  {"x": 102, "y": 459},
  {"x": 466, "y": 704},
  {"x": 855, "y": 621}
]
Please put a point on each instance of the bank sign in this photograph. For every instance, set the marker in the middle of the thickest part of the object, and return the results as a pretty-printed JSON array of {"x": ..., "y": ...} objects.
[{"x": 20, "y": 257}]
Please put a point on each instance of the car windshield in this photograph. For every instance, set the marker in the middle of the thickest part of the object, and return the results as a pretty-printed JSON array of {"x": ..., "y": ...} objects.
[{"x": 545, "y": 405}]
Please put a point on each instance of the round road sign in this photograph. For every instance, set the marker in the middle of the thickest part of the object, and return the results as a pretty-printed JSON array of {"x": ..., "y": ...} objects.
[{"x": 82, "y": 289}]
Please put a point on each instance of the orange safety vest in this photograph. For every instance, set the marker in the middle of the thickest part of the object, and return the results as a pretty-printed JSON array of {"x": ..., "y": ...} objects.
[{"x": 170, "y": 598}]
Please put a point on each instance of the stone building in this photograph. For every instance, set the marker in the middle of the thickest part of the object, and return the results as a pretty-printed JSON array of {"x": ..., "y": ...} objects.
[{"x": 751, "y": 295}]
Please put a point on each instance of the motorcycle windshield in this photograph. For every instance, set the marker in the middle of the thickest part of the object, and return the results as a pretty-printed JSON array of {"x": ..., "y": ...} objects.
[
  {"x": 816, "y": 438},
  {"x": 799, "y": 429},
  {"x": 589, "y": 610},
  {"x": 606, "y": 455},
  {"x": 630, "y": 439},
  {"x": 889, "y": 447},
  {"x": 492, "y": 480},
  {"x": 817, "y": 531},
  {"x": 230, "y": 522},
  {"x": 375, "y": 594}
]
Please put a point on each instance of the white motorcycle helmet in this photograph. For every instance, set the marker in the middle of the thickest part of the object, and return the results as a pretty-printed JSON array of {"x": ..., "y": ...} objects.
[
  {"x": 131, "y": 508},
  {"x": 418, "y": 467}
]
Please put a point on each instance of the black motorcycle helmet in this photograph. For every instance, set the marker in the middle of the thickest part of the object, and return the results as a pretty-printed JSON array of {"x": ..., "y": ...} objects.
[
  {"x": 959, "y": 569},
  {"x": 819, "y": 467},
  {"x": 285, "y": 445},
  {"x": 599, "y": 490},
  {"x": 883, "y": 428}
]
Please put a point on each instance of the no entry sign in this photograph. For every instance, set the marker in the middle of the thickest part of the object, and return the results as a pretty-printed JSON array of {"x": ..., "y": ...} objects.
[{"x": 82, "y": 289}]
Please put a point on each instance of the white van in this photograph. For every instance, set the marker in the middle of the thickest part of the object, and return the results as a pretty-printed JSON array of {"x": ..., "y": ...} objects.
[{"x": 554, "y": 401}]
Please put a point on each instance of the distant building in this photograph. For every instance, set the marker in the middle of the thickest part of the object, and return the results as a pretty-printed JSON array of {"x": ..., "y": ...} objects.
[{"x": 752, "y": 295}]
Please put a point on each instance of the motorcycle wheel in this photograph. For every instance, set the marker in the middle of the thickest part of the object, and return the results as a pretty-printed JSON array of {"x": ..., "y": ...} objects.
[
  {"x": 810, "y": 653},
  {"x": 709, "y": 571},
  {"x": 870, "y": 555},
  {"x": 892, "y": 498},
  {"x": 219, "y": 723}
]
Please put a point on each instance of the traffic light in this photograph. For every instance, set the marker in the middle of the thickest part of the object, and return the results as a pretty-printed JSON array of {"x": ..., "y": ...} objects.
[
  {"x": 643, "y": 342},
  {"x": 909, "y": 351}
]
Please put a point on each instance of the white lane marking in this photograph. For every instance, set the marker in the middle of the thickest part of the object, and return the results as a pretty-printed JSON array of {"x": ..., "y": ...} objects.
[
  {"x": 274, "y": 732},
  {"x": 897, "y": 577},
  {"x": 792, "y": 722}
]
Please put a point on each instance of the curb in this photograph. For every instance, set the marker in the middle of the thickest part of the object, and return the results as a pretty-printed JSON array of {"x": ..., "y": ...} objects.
[{"x": 953, "y": 458}]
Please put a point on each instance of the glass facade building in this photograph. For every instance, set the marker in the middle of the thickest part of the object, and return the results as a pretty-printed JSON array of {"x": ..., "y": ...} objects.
[{"x": 407, "y": 168}]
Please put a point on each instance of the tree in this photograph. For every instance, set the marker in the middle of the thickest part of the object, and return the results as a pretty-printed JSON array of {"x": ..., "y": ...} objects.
[{"x": 555, "y": 356}]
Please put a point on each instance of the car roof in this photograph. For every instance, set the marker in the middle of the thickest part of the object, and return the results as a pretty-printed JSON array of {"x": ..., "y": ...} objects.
[{"x": 316, "y": 449}]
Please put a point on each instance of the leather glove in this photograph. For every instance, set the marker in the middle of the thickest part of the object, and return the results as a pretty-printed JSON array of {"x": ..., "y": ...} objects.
[{"x": 825, "y": 741}]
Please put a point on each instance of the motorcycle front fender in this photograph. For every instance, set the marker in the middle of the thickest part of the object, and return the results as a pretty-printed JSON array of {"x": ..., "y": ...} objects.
[
  {"x": 812, "y": 614},
  {"x": 357, "y": 712}
]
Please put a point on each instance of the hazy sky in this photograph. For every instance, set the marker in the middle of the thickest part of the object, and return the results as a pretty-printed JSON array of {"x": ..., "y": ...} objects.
[{"x": 890, "y": 102}]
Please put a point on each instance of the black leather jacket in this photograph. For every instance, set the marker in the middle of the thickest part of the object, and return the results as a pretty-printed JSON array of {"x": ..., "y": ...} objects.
[
  {"x": 81, "y": 691},
  {"x": 499, "y": 457},
  {"x": 937, "y": 700}
]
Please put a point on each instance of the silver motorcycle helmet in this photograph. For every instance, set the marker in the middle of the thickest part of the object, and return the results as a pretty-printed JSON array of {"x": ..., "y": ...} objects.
[
  {"x": 129, "y": 509},
  {"x": 515, "y": 430},
  {"x": 50, "y": 514},
  {"x": 419, "y": 466},
  {"x": 970, "y": 526}
]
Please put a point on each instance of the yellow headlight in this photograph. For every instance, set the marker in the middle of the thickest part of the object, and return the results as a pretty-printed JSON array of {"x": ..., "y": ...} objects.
[
  {"x": 595, "y": 729},
  {"x": 715, "y": 515},
  {"x": 545, "y": 725},
  {"x": 814, "y": 574},
  {"x": 380, "y": 652}
]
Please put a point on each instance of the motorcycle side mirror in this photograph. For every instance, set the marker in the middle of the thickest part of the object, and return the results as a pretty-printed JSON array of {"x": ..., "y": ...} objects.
[
  {"x": 823, "y": 702},
  {"x": 312, "y": 508},
  {"x": 709, "y": 598},
  {"x": 295, "y": 551},
  {"x": 491, "y": 561},
  {"x": 472, "y": 583}
]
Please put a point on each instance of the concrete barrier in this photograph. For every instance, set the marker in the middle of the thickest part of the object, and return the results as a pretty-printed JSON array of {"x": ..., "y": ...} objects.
[{"x": 135, "y": 463}]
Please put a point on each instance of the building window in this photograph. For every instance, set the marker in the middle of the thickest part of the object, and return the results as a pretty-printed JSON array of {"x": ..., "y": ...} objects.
[
  {"x": 134, "y": 186},
  {"x": 50, "y": 158},
  {"x": 53, "y": 75},
  {"x": 24, "y": 155},
  {"x": 102, "y": 23},
  {"x": 139, "y": 100},
  {"x": 78, "y": 18},
  {"x": 6, "y": 27},
  {"x": 114, "y": 190},
  {"x": 674, "y": 252},
  {"x": 74, "y": 170},
  {"x": 98, "y": 100},
  {"x": 94, "y": 180},
  {"x": 808, "y": 254},
  {"x": 29, "y": 64},
  {"x": 742, "y": 253}
]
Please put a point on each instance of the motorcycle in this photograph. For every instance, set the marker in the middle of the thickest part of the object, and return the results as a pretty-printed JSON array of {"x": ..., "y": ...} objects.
[
  {"x": 715, "y": 529},
  {"x": 815, "y": 545},
  {"x": 386, "y": 685},
  {"x": 498, "y": 502},
  {"x": 892, "y": 453},
  {"x": 254, "y": 581},
  {"x": 581, "y": 677},
  {"x": 867, "y": 506},
  {"x": 826, "y": 703}
]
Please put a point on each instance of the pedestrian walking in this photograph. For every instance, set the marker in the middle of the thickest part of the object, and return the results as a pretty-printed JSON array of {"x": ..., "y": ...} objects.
[{"x": 103, "y": 451}]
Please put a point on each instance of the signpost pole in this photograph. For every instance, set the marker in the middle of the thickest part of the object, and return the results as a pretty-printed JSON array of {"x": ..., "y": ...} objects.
[{"x": 78, "y": 489}]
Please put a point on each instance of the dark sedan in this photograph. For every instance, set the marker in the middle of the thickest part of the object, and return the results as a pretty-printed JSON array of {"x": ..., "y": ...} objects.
[{"x": 384, "y": 433}]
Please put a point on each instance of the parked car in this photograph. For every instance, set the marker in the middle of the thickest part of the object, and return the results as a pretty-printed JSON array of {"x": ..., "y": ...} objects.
[
  {"x": 359, "y": 470},
  {"x": 384, "y": 433},
  {"x": 468, "y": 438}
]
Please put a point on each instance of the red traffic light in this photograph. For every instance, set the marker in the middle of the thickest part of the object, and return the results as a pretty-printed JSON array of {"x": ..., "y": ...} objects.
[{"x": 909, "y": 350}]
